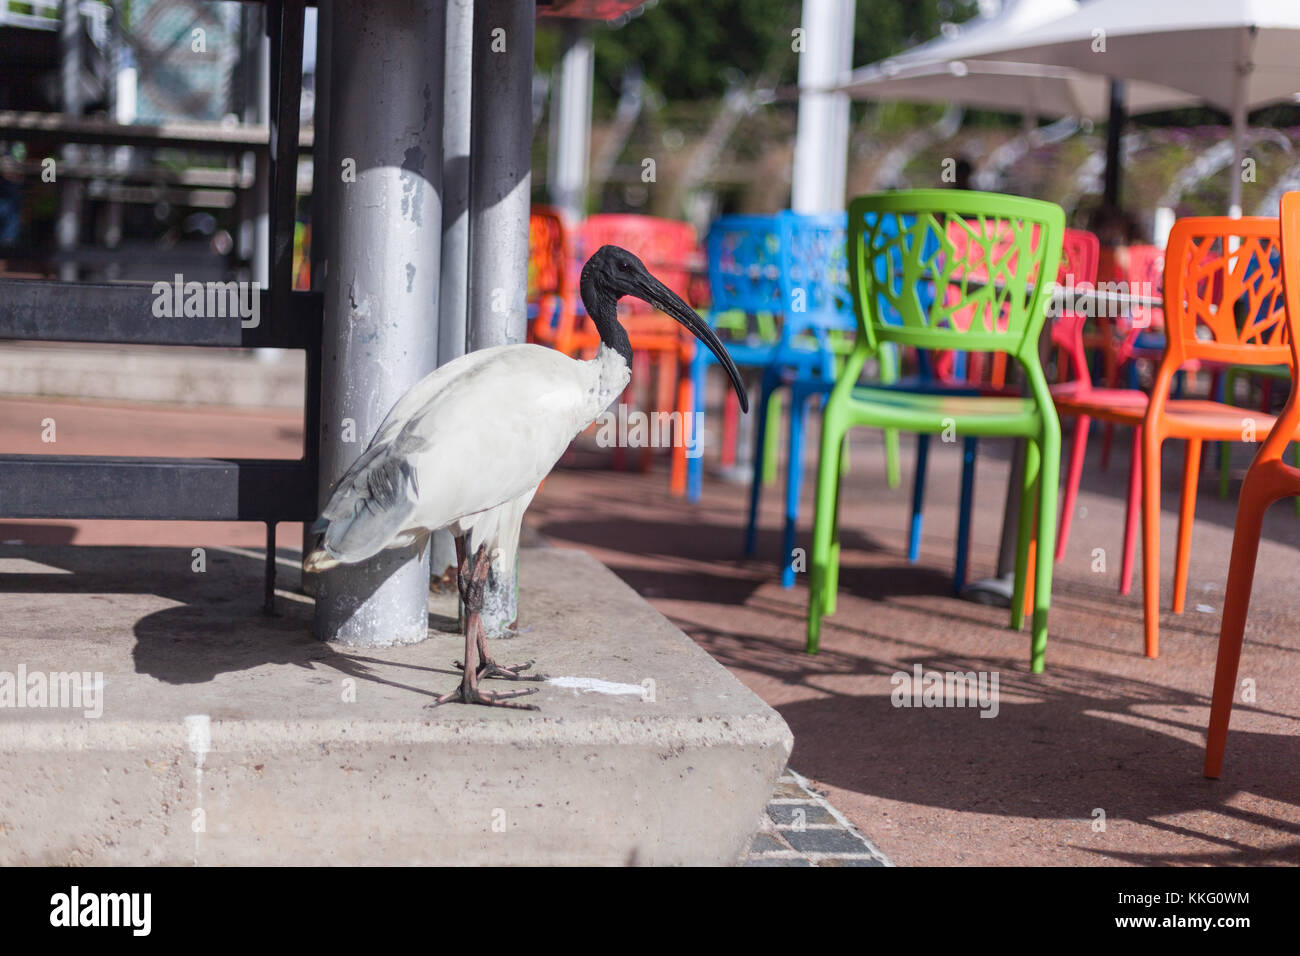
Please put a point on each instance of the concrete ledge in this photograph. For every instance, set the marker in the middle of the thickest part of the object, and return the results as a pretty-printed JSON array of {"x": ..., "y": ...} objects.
[{"x": 229, "y": 738}]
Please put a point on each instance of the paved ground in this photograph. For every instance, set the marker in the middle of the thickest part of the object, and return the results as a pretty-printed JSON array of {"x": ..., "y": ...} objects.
[
  {"x": 1095, "y": 762},
  {"x": 802, "y": 829}
]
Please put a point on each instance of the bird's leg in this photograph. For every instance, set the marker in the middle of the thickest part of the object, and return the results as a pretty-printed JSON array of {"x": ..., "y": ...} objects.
[
  {"x": 488, "y": 667},
  {"x": 473, "y": 580}
]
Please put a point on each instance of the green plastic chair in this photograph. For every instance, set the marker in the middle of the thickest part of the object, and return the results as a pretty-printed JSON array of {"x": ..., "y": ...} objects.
[{"x": 981, "y": 255}]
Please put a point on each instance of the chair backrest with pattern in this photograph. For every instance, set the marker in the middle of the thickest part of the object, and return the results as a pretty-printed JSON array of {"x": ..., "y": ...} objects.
[
  {"x": 999, "y": 253},
  {"x": 1223, "y": 293},
  {"x": 744, "y": 254},
  {"x": 814, "y": 274}
]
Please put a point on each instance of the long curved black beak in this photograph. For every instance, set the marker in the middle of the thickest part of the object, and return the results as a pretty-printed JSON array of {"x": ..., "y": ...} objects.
[{"x": 654, "y": 292}]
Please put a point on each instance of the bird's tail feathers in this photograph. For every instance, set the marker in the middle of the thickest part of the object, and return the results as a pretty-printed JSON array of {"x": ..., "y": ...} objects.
[{"x": 367, "y": 513}]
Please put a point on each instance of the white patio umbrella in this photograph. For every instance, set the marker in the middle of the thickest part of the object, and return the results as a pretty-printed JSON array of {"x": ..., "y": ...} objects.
[
  {"x": 1232, "y": 54},
  {"x": 1032, "y": 89}
]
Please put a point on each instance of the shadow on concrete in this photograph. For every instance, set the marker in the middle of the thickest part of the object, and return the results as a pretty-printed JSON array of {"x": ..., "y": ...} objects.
[
  {"x": 16, "y": 532},
  {"x": 217, "y": 625}
]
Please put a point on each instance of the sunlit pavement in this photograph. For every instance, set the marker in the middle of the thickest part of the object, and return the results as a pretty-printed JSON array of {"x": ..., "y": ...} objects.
[{"x": 1097, "y": 761}]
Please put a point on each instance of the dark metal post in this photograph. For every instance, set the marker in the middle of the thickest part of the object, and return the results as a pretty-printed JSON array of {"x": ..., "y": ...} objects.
[
  {"x": 1114, "y": 130},
  {"x": 382, "y": 278},
  {"x": 500, "y": 183}
]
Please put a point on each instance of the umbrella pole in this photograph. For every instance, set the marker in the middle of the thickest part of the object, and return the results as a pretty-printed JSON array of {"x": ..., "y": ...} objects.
[
  {"x": 1114, "y": 129},
  {"x": 1238, "y": 144}
]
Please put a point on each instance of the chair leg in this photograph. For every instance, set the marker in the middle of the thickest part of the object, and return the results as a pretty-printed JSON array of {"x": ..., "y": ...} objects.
[
  {"x": 1296, "y": 450},
  {"x": 793, "y": 480},
  {"x": 771, "y": 409},
  {"x": 968, "y": 450},
  {"x": 1050, "y": 469},
  {"x": 695, "y": 465},
  {"x": 833, "y": 572},
  {"x": 665, "y": 374},
  {"x": 1236, "y": 604},
  {"x": 889, "y": 375},
  {"x": 1132, "y": 512},
  {"x": 1186, "y": 518},
  {"x": 681, "y": 464},
  {"x": 1227, "y": 392},
  {"x": 824, "y": 519},
  {"x": 1024, "y": 534},
  {"x": 1073, "y": 473},
  {"x": 756, "y": 478},
  {"x": 918, "y": 497},
  {"x": 1151, "y": 541},
  {"x": 730, "y": 427},
  {"x": 1225, "y": 466}
]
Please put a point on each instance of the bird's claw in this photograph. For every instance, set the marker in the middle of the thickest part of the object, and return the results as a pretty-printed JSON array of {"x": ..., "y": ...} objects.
[
  {"x": 467, "y": 693},
  {"x": 491, "y": 668}
]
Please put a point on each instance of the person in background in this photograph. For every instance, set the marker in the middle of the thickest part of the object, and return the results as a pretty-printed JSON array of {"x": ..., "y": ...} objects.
[{"x": 962, "y": 173}]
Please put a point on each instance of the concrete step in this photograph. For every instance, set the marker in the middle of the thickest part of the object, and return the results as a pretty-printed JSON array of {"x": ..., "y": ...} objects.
[{"x": 225, "y": 737}]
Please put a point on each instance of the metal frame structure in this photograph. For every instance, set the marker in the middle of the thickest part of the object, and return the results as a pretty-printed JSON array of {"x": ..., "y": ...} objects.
[
  {"x": 486, "y": 194},
  {"x": 201, "y": 489}
]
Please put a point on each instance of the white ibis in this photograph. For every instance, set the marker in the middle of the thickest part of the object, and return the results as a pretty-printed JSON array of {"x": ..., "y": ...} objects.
[{"x": 467, "y": 446}]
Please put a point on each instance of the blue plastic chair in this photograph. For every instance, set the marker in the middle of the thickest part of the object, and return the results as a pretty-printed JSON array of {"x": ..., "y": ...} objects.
[
  {"x": 825, "y": 283},
  {"x": 744, "y": 254},
  {"x": 748, "y": 263}
]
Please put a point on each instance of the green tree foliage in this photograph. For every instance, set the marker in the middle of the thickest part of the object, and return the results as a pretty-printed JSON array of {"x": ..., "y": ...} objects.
[{"x": 690, "y": 50}]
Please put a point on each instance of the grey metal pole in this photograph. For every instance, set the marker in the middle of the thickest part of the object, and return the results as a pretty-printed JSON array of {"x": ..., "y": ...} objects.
[
  {"x": 382, "y": 277},
  {"x": 500, "y": 183},
  {"x": 569, "y": 154},
  {"x": 453, "y": 296}
]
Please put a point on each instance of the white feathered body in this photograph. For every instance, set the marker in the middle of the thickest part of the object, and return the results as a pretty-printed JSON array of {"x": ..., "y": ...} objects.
[{"x": 465, "y": 450}]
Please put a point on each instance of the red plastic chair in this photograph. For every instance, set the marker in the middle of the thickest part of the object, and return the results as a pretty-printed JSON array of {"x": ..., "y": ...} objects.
[
  {"x": 670, "y": 251},
  {"x": 1268, "y": 479},
  {"x": 1079, "y": 399}
]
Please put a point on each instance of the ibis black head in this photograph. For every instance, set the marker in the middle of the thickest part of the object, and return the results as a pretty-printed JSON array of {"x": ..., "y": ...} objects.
[{"x": 612, "y": 273}]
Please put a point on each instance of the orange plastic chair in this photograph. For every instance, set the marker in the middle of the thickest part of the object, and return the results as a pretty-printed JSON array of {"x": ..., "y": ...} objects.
[
  {"x": 1268, "y": 479},
  {"x": 549, "y": 264},
  {"x": 1222, "y": 304}
]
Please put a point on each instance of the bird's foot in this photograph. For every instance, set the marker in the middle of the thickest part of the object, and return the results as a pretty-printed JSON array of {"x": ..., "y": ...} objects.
[
  {"x": 468, "y": 693},
  {"x": 490, "y": 668}
]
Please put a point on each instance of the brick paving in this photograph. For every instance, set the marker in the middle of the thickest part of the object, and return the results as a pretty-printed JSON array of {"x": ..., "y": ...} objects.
[{"x": 802, "y": 829}]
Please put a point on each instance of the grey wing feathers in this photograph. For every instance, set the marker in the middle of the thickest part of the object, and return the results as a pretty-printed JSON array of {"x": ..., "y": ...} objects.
[{"x": 371, "y": 505}]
